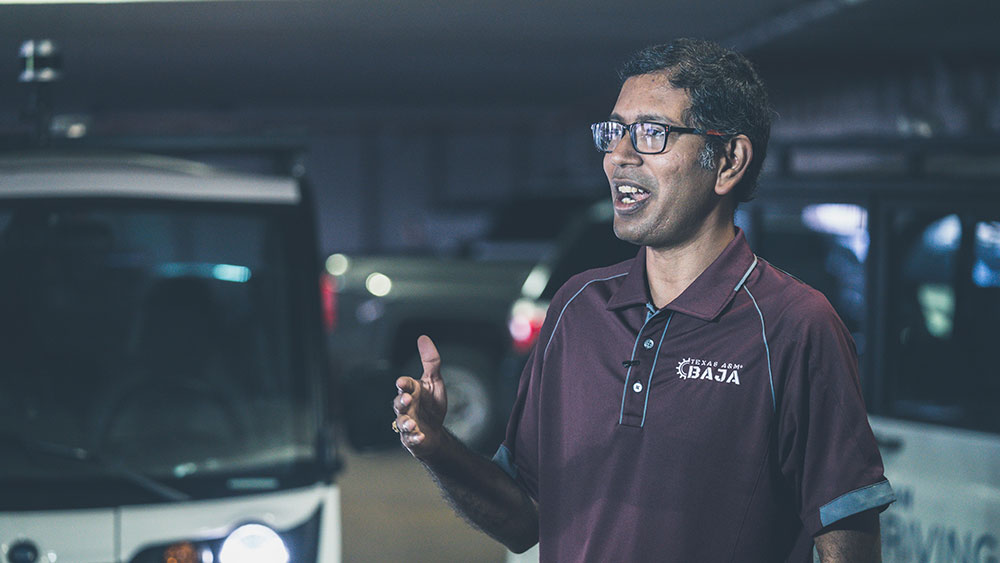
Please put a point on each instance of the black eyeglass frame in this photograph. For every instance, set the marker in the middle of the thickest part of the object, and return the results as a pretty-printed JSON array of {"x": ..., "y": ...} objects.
[{"x": 666, "y": 137}]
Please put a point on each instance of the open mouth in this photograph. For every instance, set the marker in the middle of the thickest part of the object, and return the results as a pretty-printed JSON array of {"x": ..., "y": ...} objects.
[{"x": 629, "y": 196}]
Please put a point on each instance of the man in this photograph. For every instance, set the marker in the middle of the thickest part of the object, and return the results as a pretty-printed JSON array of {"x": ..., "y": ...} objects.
[{"x": 694, "y": 403}]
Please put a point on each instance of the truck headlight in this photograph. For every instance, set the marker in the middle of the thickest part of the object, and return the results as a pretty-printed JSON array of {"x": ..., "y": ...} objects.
[{"x": 253, "y": 543}]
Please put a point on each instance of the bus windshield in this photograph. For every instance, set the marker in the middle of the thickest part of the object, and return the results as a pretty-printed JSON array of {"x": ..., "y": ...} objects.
[{"x": 148, "y": 354}]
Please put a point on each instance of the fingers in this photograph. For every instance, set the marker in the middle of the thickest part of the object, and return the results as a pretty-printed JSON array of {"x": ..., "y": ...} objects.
[
  {"x": 410, "y": 404},
  {"x": 406, "y": 387},
  {"x": 406, "y": 384},
  {"x": 401, "y": 404},
  {"x": 429, "y": 357},
  {"x": 409, "y": 433},
  {"x": 404, "y": 425}
]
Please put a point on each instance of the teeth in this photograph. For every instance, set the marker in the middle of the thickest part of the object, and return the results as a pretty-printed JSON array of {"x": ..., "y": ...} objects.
[
  {"x": 629, "y": 190},
  {"x": 628, "y": 200}
]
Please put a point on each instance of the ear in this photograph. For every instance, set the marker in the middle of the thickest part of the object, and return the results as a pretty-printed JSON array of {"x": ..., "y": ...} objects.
[{"x": 733, "y": 164}]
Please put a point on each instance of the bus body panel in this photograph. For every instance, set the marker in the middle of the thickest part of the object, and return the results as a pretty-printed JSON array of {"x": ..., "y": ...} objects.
[
  {"x": 331, "y": 540},
  {"x": 143, "y": 526},
  {"x": 948, "y": 506},
  {"x": 89, "y": 535},
  {"x": 84, "y": 536}
]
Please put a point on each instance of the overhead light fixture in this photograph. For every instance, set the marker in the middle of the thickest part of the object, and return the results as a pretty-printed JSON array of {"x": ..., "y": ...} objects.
[{"x": 40, "y": 61}]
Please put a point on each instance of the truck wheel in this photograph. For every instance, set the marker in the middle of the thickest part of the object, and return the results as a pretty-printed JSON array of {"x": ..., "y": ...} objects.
[{"x": 471, "y": 408}]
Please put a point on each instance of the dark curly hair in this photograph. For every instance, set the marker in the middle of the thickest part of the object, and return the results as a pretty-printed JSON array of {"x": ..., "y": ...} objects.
[{"x": 726, "y": 94}]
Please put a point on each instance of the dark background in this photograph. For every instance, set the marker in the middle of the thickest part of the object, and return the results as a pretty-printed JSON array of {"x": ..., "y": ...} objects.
[{"x": 418, "y": 117}]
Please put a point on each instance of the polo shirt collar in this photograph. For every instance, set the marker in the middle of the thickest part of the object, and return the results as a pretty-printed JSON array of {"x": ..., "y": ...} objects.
[{"x": 707, "y": 295}]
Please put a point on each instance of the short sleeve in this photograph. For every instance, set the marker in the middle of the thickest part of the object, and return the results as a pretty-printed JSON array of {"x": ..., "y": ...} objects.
[
  {"x": 518, "y": 454},
  {"x": 828, "y": 453}
]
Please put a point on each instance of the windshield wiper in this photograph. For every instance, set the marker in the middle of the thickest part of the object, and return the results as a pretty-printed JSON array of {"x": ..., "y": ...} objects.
[{"x": 82, "y": 455}]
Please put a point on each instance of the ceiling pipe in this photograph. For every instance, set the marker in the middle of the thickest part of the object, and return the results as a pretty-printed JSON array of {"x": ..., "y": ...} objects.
[{"x": 787, "y": 22}]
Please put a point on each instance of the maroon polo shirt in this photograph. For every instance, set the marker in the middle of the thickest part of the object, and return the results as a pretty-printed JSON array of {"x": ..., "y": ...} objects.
[{"x": 727, "y": 426}]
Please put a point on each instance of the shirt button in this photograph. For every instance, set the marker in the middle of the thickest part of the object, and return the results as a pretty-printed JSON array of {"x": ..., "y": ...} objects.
[
  {"x": 648, "y": 344},
  {"x": 637, "y": 387}
]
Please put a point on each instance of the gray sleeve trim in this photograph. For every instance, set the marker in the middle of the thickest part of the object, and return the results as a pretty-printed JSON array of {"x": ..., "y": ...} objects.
[
  {"x": 504, "y": 459},
  {"x": 859, "y": 500}
]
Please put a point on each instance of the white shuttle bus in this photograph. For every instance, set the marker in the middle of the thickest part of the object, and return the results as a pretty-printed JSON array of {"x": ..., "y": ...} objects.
[{"x": 163, "y": 378}]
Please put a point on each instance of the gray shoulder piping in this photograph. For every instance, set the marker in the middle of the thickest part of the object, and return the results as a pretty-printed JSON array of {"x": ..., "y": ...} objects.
[
  {"x": 559, "y": 318},
  {"x": 767, "y": 349}
]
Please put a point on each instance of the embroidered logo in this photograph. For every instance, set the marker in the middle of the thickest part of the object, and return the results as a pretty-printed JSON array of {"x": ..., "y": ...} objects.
[{"x": 722, "y": 372}]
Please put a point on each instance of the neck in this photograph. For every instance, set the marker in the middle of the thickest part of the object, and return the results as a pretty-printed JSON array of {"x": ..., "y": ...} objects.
[{"x": 669, "y": 271}]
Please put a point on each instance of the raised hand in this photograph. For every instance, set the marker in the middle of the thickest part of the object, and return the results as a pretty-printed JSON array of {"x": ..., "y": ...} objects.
[{"x": 421, "y": 404}]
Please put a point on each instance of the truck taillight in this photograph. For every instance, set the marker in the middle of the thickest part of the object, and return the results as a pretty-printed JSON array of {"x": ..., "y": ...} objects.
[
  {"x": 328, "y": 296},
  {"x": 525, "y": 324}
]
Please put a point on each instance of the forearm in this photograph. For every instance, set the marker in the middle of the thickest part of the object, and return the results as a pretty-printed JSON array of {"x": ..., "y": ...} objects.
[
  {"x": 484, "y": 495},
  {"x": 855, "y": 539}
]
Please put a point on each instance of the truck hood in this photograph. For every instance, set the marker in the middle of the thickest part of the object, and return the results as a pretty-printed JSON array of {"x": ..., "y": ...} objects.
[{"x": 419, "y": 275}]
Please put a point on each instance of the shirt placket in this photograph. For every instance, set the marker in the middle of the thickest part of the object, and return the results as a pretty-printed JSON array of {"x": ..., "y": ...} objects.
[{"x": 640, "y": 368}]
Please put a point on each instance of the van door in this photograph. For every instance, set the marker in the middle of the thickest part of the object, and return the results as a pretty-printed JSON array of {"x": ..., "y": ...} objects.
[{"x": 940, "y": 429}]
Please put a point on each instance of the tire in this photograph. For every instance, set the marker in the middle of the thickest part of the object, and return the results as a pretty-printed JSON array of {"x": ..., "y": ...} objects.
[{"x": 471, "y": 403}]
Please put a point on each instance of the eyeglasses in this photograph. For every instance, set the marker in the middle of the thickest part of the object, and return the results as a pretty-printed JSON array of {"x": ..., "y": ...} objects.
[{"x": 647, "y": 137}]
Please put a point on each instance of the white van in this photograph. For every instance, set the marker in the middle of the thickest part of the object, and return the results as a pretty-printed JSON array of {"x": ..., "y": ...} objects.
[{"x": 163, "y": 379}]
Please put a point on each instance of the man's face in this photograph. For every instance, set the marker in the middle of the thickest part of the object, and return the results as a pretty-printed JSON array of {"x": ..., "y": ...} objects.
[{"x": 660, "y": 200}]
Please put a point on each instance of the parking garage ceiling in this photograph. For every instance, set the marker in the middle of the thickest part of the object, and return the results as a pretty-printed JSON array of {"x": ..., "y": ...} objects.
[{"x": 344, "y": 53}]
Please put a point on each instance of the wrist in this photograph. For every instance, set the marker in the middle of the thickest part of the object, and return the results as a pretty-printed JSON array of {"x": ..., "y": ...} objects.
[{"x": 438, "y": 451}]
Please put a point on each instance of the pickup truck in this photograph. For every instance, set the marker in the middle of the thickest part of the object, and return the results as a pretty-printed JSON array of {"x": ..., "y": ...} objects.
[{"x": 384, "y": 303}]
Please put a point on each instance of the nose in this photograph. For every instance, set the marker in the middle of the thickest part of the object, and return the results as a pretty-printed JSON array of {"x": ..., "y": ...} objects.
[{"x": 624, "y": 153}]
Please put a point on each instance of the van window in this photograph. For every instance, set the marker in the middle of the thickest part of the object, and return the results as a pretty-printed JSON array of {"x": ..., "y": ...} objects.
[
  {"x": 826, "y": 246},
  {"x": 945, "y": 302}
]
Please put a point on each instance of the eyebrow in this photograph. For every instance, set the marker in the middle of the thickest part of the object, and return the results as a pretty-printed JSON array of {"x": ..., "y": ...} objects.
[{"x": 647, "y": 117}]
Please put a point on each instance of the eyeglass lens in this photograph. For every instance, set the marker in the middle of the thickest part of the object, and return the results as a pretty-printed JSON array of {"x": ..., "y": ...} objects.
[{"x": 646, "y": 137}]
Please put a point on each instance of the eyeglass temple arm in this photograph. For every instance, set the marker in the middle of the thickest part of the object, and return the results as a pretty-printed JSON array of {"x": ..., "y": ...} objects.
[{"x": 710, "y": 132}]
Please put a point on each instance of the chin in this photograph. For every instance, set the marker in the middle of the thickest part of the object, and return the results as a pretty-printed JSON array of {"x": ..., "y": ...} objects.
[{"x": 631, "y": 237}]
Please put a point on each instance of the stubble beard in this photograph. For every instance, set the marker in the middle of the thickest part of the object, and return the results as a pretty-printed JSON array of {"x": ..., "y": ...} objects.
[{"x": 673, "y": 231}]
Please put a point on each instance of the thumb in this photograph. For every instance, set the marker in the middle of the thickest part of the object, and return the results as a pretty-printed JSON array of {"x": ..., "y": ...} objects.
[{"x": 429, "y": 357}]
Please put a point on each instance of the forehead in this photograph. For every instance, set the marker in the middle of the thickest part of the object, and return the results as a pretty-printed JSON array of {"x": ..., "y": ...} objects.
[{"x": 649, "y": 96}]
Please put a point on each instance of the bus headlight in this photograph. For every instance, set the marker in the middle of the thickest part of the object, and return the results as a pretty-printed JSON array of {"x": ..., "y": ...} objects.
[{"x": 253, "y": 543}]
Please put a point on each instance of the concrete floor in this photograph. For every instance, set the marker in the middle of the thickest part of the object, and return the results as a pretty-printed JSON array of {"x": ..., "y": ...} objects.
[{"x": 392, "y": 511}]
